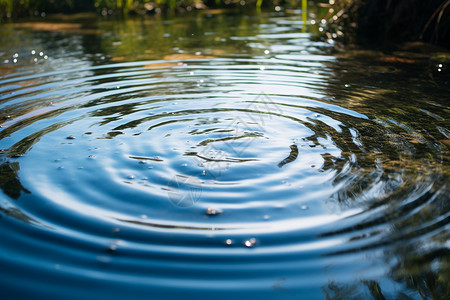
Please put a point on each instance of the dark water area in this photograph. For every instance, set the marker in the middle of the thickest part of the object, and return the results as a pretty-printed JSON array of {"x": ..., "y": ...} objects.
[{"x": 220, "y": 155}]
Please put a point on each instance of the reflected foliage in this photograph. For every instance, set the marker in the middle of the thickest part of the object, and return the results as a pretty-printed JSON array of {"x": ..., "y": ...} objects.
[{"x": 9, "y": 180}]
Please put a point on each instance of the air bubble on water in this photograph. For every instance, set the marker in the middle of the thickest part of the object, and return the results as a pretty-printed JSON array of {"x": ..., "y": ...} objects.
[
  {"x": 439, "y": 70},
  {"x": 213, "y": 212},
  {"x": 33, "y": 52},
  {"x": 440, "y": 65},
  {"x": 143, "y": 216},
  {"x": 347, "y": 85},
  {"x": 266, "y": 217},
  {"x": 41, "y": 53},
  {"x": 191, "y": 73},
  {"x": 304, "y": 207},
  {"x": 35, "y": 59},
  {"x": 262, "y": 68},
  {"x": 228, "y": 242},
  {"x": 45, "y": 57},
  {"x": 16, "y": 55},
  {"x": 15, "y": 60},
  {"x": 266, "y": 51},
  {"x": 184, "y": 165},
  {"x": 204, "y": 172},
  {"x": 112, "y": 248},
  {"x": 130, "y": 176},
  {"x": 250, "y": 243}
]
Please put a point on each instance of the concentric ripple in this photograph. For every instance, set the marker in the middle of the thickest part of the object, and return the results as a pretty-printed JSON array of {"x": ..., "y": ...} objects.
[{"x": 196, "y": 174}]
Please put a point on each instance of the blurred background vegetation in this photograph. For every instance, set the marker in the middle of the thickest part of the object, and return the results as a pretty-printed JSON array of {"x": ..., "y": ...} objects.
[{"x": 370, "y": 21}]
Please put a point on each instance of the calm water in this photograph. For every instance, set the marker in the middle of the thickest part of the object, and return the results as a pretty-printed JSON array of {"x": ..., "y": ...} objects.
[{"x": 220, "y": 155}]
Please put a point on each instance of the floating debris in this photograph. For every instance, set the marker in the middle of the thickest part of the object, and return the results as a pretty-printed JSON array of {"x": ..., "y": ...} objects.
[
  {"x": 213, "y": 212},
  {"x": 70, "y": 137}
]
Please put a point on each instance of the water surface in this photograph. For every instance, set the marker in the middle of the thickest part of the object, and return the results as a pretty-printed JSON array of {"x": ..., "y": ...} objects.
[{"x": 220, "y": 155}]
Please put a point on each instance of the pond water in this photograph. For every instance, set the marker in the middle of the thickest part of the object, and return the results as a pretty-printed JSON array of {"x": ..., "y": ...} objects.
[{"x": 220, "y": 155}]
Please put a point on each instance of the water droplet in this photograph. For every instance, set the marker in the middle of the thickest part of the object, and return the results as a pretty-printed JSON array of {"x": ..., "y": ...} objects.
[
  {"x": 35, "y": 59},
  {"x": 33, "y": 52},
  {"x": 250, "y": 243},
  {"x": 213, "y": 212},
  {"x": 228, "y": 242},
  {"x": 439, "y": 70},
  {"x": 144, "y": 178},
  {"x": 347, "y": 85},
  {"x": 440, "y": 66},
  {"x": 277, "y": 8},
  {"x": 41, "y": 53},
  {"x": 15, "y": 60},
  {"x": 16, "y": 55},
  {"x": 70, "y": 137},
  {"x": 45, "y": 57},
  {"x": 130, "y": 176}
]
